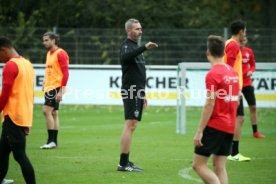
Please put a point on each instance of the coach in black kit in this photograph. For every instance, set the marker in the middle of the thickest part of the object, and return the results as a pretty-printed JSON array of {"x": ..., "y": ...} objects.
[{"x": 133, "y": 88}]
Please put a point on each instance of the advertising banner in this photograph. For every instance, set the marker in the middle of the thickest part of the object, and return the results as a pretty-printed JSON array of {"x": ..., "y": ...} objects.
[{"x": 100, "y": 85}]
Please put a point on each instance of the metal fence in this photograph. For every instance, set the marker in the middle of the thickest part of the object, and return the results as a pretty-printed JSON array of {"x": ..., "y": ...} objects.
[{"x": 101, "y": 46}]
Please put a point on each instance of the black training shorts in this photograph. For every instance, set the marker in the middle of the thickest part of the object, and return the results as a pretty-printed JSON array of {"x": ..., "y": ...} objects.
[
  {"x": 215, "y": 142},
  {"x": 133, "y": 104},
  {"x": 50, "y": 98},
  {"x": 240, "y": 110},
  {"x": 248, "y": 93}
]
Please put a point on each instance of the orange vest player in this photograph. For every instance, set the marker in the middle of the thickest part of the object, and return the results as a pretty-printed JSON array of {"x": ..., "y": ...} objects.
[
  {"x": 19, "y": 106},
  {"x": 56, "y": 77},
  {"x": 53, "y": 72},
  {"x": 16, "y": 105},
  {"x": 233, "y": 57}
]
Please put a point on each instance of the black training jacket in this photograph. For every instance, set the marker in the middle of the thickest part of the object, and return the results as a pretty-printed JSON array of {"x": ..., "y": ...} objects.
[{"x": 133, "y": 65}]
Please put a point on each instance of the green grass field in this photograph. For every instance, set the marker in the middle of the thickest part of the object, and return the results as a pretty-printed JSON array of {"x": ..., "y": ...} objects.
[{"x": 88, "y": 149}]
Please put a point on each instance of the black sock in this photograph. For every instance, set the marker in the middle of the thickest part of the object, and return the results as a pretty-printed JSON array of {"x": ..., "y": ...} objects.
[
  {"x": 51, "y": 136},
  {"x": 124, "y": 159},
  {"x": 55, "y": 132},
  {"x": 254, "y": 128},
  {"x": 235, "y": 148}
]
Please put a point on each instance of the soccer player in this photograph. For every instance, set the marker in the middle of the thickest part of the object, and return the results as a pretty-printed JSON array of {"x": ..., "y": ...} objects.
[
  {"x": 133, "y": 87},
  {"x": 233, "y": 58},
  {"x": 248, "y": 67},
  {"x": 217, "y": 123},
  {"x": 16, "y": 105},
  {"x": 56, "y": 77}
]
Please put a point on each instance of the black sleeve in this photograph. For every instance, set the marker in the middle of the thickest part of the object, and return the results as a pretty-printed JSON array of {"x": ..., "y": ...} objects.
[{"x": 128, "y": 54}]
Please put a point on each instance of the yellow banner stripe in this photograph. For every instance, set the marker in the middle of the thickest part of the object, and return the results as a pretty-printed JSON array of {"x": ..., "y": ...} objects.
[
  {"x": 150, "y": 95},
  {"x": 170, "y": 95},
  {"x": 39, "y": 93},
  {"x": 265, "y": 97},
  {"x": 115, "y": 94}
]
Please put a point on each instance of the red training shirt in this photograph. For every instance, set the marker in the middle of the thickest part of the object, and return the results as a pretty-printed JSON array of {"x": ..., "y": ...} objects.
[
  {"x": 9, "y": 73},
  {"x": 224, "y": 81},
  {"x": 248, "y": 64}
]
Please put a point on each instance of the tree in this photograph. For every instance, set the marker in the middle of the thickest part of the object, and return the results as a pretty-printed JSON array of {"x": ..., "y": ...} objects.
[{"x": 154, "y": 14}]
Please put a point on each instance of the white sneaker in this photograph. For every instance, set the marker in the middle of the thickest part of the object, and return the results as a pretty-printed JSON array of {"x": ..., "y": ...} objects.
[
  {"x": 239, "y": 157},
  {"x": 51, "y": 145},
  {"x": 43, "y": 146},
  {"x": 5, "y": 181}
]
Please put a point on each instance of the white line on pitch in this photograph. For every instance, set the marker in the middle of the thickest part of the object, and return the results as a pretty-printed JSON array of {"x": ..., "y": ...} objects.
[
  {"x": 252, "y": 158},
  {"x": 185, "y": 173}
]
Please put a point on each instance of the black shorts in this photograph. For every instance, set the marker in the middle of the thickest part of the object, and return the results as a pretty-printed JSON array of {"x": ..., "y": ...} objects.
[
  {"x": 215, "y": 142},
  {"x": 240, "y": 110},
  {"x": 12, "y": 133},
  {"x": 50, "y": 98},
  {"x": 249, "y": 95},
  {"x": 133, "y": 104}
]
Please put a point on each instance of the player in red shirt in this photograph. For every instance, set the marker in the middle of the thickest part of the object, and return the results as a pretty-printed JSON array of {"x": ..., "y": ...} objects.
[
  {"x": 248, "y": 67},
  {"x": 217, "y": 124}
]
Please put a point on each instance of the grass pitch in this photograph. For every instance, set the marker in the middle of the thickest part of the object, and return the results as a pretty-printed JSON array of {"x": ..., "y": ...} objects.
[{"x": 88, "y": 149}]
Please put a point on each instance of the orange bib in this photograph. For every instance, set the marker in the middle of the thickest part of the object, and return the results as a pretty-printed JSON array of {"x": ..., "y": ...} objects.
[{"x": 20, "y": 104}]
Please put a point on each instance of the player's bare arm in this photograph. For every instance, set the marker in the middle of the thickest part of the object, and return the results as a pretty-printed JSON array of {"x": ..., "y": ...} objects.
[{"x": 205, "y": 116}]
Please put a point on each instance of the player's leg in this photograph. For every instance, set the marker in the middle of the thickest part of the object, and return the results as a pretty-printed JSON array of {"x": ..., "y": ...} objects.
[
  {"x": 126, "y": 139},
  {"x": 235, "y": 155},
  {"x": 4, "y": 153},
  {"x": 219, "y": 163},
  {"x": 212, "y": 141},
  {"x": 237, "y": 135},
  {"x": 219, "y": 158},
  {"x": 200, "y": 167},
  {"x": 249, "y": 95},
  {"x": 20, "y": 156},
  {"x": 55, "y": 114},
  {"x": 239, "y": 123},
  {"x": 56, "y": 126},
  {"x": 48, "y": 114},
  {"x": 253, "y": 118},
  {"x": 49, "y": 107},
  {"x": 133, "y": 108},
  {"x": 17, "y": 144},
  {"x": 56, "y": 119}
]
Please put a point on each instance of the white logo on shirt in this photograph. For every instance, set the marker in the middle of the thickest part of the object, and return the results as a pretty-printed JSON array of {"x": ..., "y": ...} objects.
[
  {"x": 226, "y": 79},
  {"x": 247, "y": 58}
]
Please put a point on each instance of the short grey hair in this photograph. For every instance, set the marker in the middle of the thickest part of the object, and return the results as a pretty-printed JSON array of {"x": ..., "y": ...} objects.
[{"x": 129, "y": 23}]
